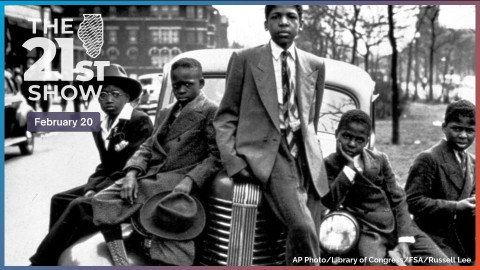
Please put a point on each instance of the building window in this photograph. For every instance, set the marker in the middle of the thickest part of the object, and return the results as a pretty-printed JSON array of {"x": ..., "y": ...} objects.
[
  {"x": 113, "y": 53},
  {"x": 132, "y": 11},
  {"x": 112, "y": 36},
  {"x": 200, "y": 12},
  {"x": 164, "y": 56},
  {"x": 211, "y": 40},
  {"x": 175, "y": 36},
  {"x": 165, "y": 36},
  {"x": 175, "y": 51},
  {"x": 132, "y": 53},
  {"x": 154, "y": 11},
  {"x": 200, "y": 35},
  {"x": 175, "y": 11},
  {"x": 155, "y": 36},
  {"x": 154, "y": 54},
  {"x": 190, "y": 12},
  {"x": 190, "y": 36},
  {"x": 132, "y": 36},
  {"x": 112, "y": 11}
]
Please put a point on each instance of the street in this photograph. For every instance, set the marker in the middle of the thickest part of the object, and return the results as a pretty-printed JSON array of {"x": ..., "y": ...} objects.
[{"x": 59, "y": 162}]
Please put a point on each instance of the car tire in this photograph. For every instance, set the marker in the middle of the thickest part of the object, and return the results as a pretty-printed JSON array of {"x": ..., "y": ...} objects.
[{"x": 26, "y": 148}]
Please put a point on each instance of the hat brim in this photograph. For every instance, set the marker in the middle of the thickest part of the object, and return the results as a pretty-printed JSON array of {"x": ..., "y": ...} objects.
[
  {"x": 148, "y": 210},
  {"x": 131, "y": 86}
]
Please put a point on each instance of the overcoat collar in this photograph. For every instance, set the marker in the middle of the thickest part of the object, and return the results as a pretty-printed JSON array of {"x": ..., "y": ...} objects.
[
  {"x": 450, "y": 165},
  {"x": 371, "y": 169},
  {"x": 190, "y": 115}
]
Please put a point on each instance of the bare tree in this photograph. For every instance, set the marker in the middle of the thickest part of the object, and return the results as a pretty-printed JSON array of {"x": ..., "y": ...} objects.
[
  {"x": 432, "y": 15},
  {"x": 393, "y": 74},
  {"x": 323, "y": 31},
  {"x": 373, "y": 34},
  {"x": 414, "y": 41},
  {"x": 353, "y": 30}
]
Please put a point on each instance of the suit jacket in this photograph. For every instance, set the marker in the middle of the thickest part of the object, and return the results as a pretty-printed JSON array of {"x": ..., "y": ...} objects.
[
  {"x": 135, "y": 131},
  {"x": 434, "y": 185},
  {"x": 185, "y": 147},
  {"x": 179, "y": 148},
  {"x": 247, "y": 122},
  {"x": 374, "y": 197}
]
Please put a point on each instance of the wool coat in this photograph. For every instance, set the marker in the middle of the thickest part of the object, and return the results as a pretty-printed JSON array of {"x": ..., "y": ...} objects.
[
  {"x": 179, "y": 147},
  {"x": 374, "y": 197},
  {"x": 434, "y": 186},
  {"x": 135, "y": 131}
]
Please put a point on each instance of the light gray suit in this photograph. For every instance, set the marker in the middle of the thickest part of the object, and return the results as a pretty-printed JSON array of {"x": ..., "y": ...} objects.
[{"x": 249, "y": 136}]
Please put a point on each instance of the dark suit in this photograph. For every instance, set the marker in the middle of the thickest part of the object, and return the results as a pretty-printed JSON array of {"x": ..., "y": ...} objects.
[
  {"x": 434, "y": 186},
  {"x": 71, "y": 213},
  {"x": 379, "y": 204},
  {"x": 184, "y": 146},
  {"x": 249, "y": 136}
]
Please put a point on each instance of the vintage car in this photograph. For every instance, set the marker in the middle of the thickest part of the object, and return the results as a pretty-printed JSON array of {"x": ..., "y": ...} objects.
[
  {"x": 150, "y": 91},
  {"x": 16, "y": 110},
  {"x": 240, "y": 229}
]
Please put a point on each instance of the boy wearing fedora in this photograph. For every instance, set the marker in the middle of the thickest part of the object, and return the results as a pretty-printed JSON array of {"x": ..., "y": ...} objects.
[
  {"x": 180, "y": 156},
  {"x": 123, "y": 130}
]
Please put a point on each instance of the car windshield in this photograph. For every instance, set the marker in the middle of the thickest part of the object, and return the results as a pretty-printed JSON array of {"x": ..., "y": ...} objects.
[{"x": 335, "y": 102}]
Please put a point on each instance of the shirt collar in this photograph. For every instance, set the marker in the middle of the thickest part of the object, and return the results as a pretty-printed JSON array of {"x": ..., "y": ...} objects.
[
  {"x": 125, "y": 114},
  {"x": 358, "y": 162},
  {"x": 277, "y": 50},
  {"x": 458, "y": 155}
]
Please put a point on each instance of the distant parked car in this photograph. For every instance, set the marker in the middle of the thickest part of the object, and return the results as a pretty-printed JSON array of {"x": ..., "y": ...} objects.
[
  {"x": 16, "y": 109},
  {"x": 150, "y": 91}
]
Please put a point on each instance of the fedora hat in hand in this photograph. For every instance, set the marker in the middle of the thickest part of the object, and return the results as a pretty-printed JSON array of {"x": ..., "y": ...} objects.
[
  {"x": 115, "y": 74},
  {"x": 173, "y": 215}
]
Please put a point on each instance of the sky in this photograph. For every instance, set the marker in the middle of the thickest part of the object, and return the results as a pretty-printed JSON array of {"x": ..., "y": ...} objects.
[{"x": 250, "y": 32}]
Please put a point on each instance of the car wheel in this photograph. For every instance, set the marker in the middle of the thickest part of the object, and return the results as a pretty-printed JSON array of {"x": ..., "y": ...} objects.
[{"x": 26, "y": 148}]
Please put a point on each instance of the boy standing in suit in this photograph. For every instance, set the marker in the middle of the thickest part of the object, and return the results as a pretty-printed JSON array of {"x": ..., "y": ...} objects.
[
  {"x": 441, "y": 185},
  {"x": 122, "y": 131},
  {"x": 266, "y": 127},
  {"x": 363, "y": 182}
]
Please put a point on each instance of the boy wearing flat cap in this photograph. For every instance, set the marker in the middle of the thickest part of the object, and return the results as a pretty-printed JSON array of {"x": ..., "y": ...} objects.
[
  {"x": 123, "y": 130},
  {"x": 180, "y": 156}
]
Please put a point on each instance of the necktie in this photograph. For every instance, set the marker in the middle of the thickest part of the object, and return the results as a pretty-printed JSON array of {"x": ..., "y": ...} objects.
[
  {"x": 463, "y": 162},
  {"x": 289, "y": 106}
]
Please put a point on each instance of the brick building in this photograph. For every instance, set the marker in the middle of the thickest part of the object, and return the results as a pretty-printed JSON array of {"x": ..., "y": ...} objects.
[{"x": 144, "y": 38}]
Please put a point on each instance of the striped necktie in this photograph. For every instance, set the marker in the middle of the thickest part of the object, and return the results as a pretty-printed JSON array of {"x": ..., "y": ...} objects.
[{"x": 290, "y": 111}]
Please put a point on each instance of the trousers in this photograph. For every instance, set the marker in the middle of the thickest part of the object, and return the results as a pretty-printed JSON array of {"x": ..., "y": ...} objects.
[
  {"x": 70, "y": 219},
  {"x": 294, "y": 201}
]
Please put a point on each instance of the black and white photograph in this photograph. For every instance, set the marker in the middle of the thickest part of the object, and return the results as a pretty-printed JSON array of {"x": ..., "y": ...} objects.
[{"x": 239, "y": 135}]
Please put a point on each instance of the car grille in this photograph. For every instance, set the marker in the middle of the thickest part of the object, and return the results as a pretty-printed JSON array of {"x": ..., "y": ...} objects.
[{"x": 241, "y": 232}]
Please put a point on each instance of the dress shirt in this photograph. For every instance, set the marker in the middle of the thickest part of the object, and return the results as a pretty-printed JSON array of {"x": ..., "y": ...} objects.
[{"x": 125, "y": 114}]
